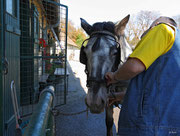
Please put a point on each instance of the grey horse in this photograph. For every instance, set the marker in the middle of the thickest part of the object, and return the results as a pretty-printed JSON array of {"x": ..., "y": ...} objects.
[{"x": 105, "y": 50}]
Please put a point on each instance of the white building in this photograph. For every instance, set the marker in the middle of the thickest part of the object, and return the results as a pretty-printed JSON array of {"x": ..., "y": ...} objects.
[{"x": 72, "y": 50}]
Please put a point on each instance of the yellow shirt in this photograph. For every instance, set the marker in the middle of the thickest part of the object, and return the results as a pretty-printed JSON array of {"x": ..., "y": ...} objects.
[{"x": 155, "y": 43}]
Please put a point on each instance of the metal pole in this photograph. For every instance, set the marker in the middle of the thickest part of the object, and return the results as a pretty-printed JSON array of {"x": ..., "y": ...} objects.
[
  {"x": 65, "y": 91},
  {"x": 39, "y": 120}
]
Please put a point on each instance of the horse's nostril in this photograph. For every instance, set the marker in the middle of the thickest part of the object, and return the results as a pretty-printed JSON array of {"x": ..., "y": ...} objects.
[
  {"x": 86, "y": 102},
  {"x": 102, "y": 101}
]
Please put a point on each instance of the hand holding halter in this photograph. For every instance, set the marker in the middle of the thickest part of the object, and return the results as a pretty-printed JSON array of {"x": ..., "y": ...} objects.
[{"x": 110, "y": 76}]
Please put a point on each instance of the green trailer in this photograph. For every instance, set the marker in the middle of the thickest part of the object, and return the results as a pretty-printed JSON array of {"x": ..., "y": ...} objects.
[{"x": 10, "y": 63}]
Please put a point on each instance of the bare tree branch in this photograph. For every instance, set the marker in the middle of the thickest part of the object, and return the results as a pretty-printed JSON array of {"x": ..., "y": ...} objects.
[{"x": 138, "y": 24}]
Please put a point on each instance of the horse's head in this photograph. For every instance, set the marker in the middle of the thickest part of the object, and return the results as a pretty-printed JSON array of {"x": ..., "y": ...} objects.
[{"x": 101, "y": 54}]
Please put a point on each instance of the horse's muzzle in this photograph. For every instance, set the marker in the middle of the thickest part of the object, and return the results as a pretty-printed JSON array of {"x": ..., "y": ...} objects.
[{"x": 94, "y": 108}]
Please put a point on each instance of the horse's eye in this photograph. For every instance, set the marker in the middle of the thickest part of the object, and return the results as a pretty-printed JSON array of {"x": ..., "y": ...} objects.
[{"x": 113, "y": 53}]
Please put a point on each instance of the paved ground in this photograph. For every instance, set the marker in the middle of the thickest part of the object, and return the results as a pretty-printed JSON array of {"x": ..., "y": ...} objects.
[{"x": 80, "y": 125}]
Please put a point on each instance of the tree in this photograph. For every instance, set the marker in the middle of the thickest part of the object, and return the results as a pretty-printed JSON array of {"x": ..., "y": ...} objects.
[
  {"x": 77, "y": 35},
  {"x": 71, "y": 31},
  {"x": 80, "y": 37},
  {"x": 138, "y": 24},
  {"x": 177, "y": 19}
]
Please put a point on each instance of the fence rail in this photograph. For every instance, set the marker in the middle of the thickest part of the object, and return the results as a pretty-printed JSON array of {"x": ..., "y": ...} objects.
[{"x": 39, "y": 120}]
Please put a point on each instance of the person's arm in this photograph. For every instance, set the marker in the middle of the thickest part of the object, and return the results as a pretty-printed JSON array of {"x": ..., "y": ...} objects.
[{"x": 128, "y": 70}]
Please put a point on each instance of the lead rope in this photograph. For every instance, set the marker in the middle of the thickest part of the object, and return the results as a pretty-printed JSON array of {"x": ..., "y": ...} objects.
[
  {"x": 111, "y": 90},
  {"x": 56, "y": 112},
  {"x": 87, "y": 112}
]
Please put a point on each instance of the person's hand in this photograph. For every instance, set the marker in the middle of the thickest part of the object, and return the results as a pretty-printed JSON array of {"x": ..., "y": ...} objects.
[
  {"x": 110, "y": 78},
  {"x": 111, "y": 100}
]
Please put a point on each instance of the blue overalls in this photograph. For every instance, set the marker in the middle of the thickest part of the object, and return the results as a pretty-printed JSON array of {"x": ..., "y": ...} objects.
[{"x": 151, "y": 105}]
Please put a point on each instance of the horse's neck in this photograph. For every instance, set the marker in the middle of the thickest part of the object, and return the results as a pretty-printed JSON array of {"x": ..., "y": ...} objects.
[{"x": 126, "y": 50}]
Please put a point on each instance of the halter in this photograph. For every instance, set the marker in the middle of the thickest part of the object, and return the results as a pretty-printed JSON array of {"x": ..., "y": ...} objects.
[
  {"x": 105, "y": 33},
  {"x": 91, "y": 79},
  {"x": 93, "y": 34}
]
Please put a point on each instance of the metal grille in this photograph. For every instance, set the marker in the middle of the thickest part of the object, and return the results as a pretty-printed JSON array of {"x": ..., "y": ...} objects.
[{"x": 43, "y": 45}]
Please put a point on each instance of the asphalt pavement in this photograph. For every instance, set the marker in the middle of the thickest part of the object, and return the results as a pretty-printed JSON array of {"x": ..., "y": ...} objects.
[{"x": 80, "y": 124}]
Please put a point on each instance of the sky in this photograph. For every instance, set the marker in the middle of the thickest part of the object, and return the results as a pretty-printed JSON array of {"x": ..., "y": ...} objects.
[{"x": 115, "y": 10}]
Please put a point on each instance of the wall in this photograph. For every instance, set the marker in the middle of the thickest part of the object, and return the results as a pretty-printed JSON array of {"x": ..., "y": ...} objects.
[{"x": 73, "y": 53}]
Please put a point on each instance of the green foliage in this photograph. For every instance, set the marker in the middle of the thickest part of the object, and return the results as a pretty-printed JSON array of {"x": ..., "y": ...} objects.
[
  {"x": 80, "y": 37},
  {"x": 77, "y": 35},
  {"x": 79, "y": 40}
]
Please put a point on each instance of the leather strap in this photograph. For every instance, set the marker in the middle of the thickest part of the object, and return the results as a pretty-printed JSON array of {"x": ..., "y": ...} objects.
[{"x": 161, "y": 20}]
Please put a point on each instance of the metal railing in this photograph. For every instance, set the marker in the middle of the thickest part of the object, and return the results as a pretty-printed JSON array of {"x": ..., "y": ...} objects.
[{"x": 38, "y": 125}]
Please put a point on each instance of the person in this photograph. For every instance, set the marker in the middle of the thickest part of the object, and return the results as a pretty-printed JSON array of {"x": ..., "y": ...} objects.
[{"x": 151, "y": 102}]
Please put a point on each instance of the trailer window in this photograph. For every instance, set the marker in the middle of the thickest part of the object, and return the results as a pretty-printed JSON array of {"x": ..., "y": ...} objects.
[{"x": 11, "y": 7}]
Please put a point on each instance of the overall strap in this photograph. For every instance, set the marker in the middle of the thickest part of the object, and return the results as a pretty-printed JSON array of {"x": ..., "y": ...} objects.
[{"x": 161, "y": 20}]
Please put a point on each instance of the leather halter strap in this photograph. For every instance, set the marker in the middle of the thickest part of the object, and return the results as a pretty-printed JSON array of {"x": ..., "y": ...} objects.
[
  {"x": 104, "y": 33},
  {"x": 95, "y": 80},
  {"x": 93, "y": 34}
]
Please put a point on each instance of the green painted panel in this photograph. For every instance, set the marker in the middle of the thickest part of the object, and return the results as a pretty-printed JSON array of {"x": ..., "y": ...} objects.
[
  {"x": 11, "y": 52},
  {"x": 1, "y": 76},
  {"x": 12, "y": 55}
]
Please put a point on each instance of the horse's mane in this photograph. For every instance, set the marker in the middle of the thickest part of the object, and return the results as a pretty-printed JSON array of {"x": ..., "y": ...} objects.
[{"x": 104, "y": 26}]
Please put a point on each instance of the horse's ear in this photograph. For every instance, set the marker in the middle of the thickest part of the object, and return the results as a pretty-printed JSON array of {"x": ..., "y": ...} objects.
[
  {"x": 87, "y": 27},
  {"x": 120, "y": 26}
]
